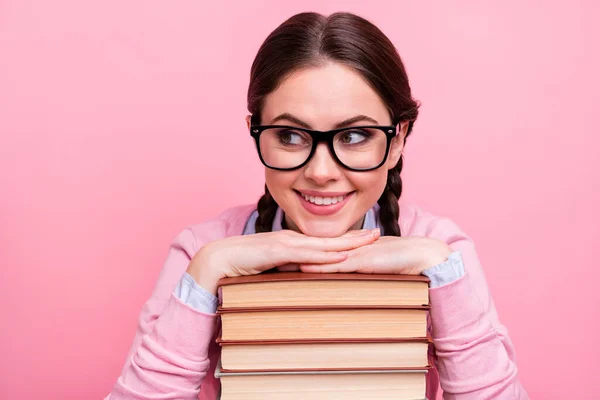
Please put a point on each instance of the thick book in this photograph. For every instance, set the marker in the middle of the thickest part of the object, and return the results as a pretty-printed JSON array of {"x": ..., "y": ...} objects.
[
  {"x": 298, "y": 289},
  {"x": 324, "y": 355},
  {"x": 331, "y": 323},
  {"x": 323, "y": 385}
]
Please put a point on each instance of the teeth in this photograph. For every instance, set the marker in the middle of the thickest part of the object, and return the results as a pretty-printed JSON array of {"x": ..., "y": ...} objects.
[{"x": 323, "y": 200}]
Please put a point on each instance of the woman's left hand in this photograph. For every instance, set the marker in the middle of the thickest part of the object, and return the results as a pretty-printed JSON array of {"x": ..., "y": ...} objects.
[{"x": 389, "y": 255}]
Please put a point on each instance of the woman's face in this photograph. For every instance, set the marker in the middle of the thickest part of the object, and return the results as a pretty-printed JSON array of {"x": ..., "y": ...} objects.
[{"x": 322, "y": 97}]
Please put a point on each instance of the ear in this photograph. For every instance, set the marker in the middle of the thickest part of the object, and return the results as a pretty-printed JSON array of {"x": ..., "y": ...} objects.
[
  {"x": 248, "y": 120},
  {"x": 397, "y": 145}
]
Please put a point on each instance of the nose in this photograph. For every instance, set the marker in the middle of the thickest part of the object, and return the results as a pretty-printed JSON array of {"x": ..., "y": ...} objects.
[{"x": 322, "y": 168}]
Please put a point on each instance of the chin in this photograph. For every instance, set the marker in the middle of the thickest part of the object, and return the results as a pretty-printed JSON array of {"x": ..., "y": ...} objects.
[{"x": 323, "y": 229}]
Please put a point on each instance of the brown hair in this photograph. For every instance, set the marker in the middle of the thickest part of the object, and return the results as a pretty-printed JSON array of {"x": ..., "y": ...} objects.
[{"x": 311, "y": 40}]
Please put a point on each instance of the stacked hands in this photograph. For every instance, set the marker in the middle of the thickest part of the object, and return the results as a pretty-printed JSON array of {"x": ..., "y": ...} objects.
[{"x": 362, "y": 251}]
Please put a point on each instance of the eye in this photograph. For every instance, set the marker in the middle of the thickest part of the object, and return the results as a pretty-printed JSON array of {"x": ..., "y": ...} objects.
[
  {"x": 291, "y": 137},
  {"x": 354, "y": 137}
]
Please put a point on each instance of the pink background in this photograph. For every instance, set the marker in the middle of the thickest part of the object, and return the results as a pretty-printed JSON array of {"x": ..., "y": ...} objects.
[{"x": 121, "y": 122}]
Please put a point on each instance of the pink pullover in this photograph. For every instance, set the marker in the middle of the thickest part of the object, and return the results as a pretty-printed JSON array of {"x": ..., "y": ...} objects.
[{"x": 174, "y": 352}]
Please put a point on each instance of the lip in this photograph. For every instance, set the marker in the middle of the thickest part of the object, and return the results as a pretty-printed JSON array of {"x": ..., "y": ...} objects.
[
  {"x": 329, "y": 209},
  {"x": 323, "y": 194}
]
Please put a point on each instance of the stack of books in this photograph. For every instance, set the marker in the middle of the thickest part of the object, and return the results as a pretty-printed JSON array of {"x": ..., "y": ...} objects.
[{"x": 293, "y": 335}]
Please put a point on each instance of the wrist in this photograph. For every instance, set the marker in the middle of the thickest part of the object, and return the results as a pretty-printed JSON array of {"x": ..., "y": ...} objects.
[
  {"x": 205, "y": 269},
  {"x": 437, "y": 255}
]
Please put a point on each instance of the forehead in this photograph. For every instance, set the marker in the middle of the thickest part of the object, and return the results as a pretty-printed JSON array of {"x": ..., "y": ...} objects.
[{"x": 323, "y": 96}]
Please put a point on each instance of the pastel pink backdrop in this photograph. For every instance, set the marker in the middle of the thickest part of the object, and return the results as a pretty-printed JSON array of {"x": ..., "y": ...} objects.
[{"x": 123, "y": 122}]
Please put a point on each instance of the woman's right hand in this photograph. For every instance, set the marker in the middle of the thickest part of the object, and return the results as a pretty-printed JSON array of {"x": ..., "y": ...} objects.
[{"x": 253, "y": 254}]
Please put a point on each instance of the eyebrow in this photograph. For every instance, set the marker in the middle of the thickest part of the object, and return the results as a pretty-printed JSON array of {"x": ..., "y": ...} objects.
[{"x": 289, "y": 117}]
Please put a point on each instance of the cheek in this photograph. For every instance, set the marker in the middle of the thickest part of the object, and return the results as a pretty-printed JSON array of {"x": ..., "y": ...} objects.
[
  {"x": 280, "y": 183},
  {"x": 371, "y": 184}
]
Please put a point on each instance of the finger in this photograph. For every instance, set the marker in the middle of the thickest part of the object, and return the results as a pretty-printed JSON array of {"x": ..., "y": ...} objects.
[
  {"x": 342, "y": 243},
  {"x": 332, "y": 268},
  {"x": 350, "y": 264},
  {"x": 356, "y": 232},
  {"x": 359, "y": 232},
  {"x": 305, "y": 256}
]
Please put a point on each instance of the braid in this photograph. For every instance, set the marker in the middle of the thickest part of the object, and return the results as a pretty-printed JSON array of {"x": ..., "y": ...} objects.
[
  {"x": 389, "y": 210},
  {"x": 267, "y": 207}
]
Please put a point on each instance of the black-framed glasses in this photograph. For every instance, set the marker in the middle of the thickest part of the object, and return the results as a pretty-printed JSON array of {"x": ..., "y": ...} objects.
[{"x": 357, "y": 148}]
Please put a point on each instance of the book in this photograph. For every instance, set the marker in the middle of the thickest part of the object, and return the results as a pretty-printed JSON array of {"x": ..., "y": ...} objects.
[
  {"x": 322, "y": 385},
  {"x": 328, "y": 323},
  {"x": 313, "y": 290},
  {"x": 294, "y": 335},
  {"x": 327, "y": 355}
]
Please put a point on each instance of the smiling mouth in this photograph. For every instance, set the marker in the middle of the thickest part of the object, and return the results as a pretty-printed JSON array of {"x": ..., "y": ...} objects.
[{"x": 323, "y": 200}]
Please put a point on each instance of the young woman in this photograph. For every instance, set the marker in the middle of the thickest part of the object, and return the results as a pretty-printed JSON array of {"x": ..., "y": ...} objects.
[{"x": 331, "y": 109}]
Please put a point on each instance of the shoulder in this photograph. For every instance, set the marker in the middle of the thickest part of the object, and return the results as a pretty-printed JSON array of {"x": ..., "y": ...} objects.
[
  {"x": 414, "y": 221},
  {"x": 230, "y": 222}
]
